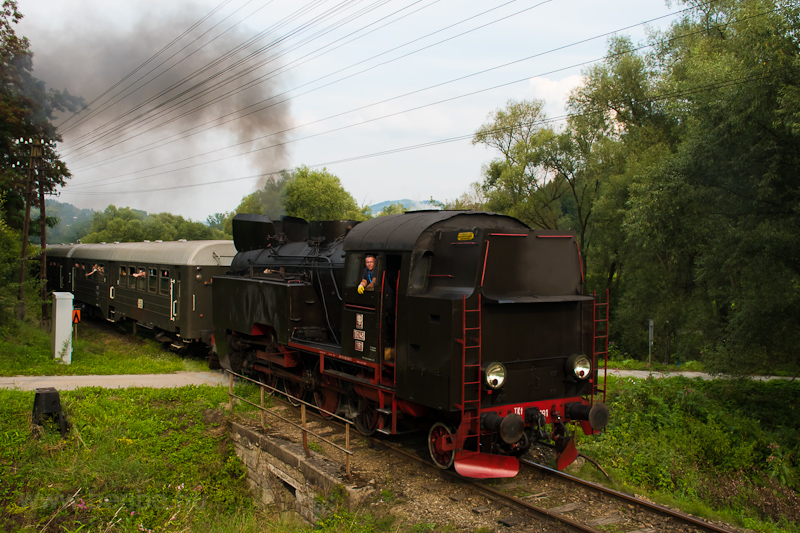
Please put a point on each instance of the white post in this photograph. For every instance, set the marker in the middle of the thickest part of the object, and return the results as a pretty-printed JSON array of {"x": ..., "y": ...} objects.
[{"x": 62, "y": 326}]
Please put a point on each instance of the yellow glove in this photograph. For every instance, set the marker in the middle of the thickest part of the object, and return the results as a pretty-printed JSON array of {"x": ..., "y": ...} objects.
[{"x": 360, "y": 289}]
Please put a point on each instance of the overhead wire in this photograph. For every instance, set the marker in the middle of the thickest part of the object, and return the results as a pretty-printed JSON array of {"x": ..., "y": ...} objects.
[
  {"x": 267, "y": 76},
  {"x": 707, "y": 88},
  {"x": 122, "y": 94},
  {"x": 142, "y": 65},
  {"x": 361, "y": 108},
  {"x": 675, "y": 94},
  {"x": 109, "y": 125},
  {"x": 236, "y": 114}
]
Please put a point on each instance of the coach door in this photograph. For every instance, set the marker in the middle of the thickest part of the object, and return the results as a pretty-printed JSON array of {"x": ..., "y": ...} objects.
[{"x": 174, "y": 296}]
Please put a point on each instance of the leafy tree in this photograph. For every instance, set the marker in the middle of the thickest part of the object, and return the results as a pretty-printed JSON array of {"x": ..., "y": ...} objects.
[
  {"x": 319, "y": 195},
  {"x": 268, "y": 200},
  {"x": 27, "y": 109},
  {"x": 132, "y": 225},
  {"x": 545, "y": 178},
  {"x": 392, "y": 209},
  {"x": 520, "y": 183}
]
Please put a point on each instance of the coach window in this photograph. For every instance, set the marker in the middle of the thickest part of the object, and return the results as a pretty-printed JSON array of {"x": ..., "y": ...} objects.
[
  {"x": 152, "y": 280},
  {"x": 164, "y": 281},
  {"x": 141, "y": 275},
  {"x": 123, "y": 276},
  {"x": 132, "y": 276}
]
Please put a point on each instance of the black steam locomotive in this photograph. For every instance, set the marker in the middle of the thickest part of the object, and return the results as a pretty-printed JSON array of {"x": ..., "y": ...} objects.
[{"x": 468, "y": 323}]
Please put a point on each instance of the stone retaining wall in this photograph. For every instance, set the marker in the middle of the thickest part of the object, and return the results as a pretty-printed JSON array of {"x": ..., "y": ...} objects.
[{"x": 282, "y": 477}]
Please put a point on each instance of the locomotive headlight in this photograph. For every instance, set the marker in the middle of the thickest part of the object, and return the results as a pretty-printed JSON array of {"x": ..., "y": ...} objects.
[
  {"x": 579, "y": 365},
  {"x": 495, "y": 375}
]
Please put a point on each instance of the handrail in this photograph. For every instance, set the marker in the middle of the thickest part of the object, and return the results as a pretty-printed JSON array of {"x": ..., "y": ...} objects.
[{"x": 302, "y": 426}]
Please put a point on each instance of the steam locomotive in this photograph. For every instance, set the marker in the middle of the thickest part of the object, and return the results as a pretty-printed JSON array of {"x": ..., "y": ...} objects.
[{"x": 469, "y": 323}]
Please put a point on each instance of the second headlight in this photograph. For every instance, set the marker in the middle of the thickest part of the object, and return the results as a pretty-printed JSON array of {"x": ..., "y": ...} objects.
[
  {"x": 495, "y": 375},
  {"x": 579, "y": 365}
]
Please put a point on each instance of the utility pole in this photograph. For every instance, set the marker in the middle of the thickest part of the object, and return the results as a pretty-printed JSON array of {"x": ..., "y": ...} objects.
[
  {"x": 34, "y": 163},
  {"x": 43, "y": 238}
]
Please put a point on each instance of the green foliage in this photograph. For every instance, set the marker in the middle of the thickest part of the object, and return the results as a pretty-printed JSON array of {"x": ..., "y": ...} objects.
[
  {"x": 9, "y": 273},
  {"x": 392, "y": 209},
  {"x": 72, "y": 223},
  {"x": 27, "y": 108},
  {"x": 143, "y": 459},
  {"x": 728, "y": 444},
  {"x": 131, "y": 225},
  {"x": 678, "y": 169},
  {"x": 319, "y": 195},
  {"x": 29, "y": 353},
  {"x": 268, "y": 200}
]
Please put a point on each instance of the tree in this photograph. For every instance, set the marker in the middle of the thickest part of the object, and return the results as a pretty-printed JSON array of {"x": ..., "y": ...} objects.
[
  {"x": 520, "y": 183},
  {"x": 697, "y": 220},
  {"x": 132, "y": 225},
  {"x": 392, "y": 209},
  {"x": 268, "y": 200},
  {"x": 27, "y": 109},
  {"x": 319, "y": 195},
  {"x": 547, "y": 179}
]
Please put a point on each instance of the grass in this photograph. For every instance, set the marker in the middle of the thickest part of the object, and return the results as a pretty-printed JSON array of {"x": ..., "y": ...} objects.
[
  {"x": 134, "y": 460},
  {"x": 159, "y": 460},
  {"x": 100, "y": 349},
  {"x": 723, "y": 449}
]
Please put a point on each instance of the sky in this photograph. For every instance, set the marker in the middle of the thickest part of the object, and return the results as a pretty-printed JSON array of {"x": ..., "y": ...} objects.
[{"x": 191, "y": 105}]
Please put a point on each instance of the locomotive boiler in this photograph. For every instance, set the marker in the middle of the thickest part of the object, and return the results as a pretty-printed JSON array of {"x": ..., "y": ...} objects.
[{"x": 470, "y": 325}]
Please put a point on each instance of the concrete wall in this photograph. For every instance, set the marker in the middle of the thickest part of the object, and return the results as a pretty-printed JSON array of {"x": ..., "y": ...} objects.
[{"x": 282, "y": 477}]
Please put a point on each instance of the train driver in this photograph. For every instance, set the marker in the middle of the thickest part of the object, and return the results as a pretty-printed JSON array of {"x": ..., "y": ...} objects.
[{"x": 369, "y": 276}]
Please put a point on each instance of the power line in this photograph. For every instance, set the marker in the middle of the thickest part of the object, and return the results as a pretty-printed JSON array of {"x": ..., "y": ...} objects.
[
  {"x": 675, "y": 94},
  {"x": 361, "y": 108},
  {"x": 246, "y": 86},
  {"x": 100, "y": 133},
  {"x": 272, "y": 74}
]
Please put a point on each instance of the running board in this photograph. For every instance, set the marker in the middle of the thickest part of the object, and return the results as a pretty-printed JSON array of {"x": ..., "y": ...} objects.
[{"x": 486, "y": 465}]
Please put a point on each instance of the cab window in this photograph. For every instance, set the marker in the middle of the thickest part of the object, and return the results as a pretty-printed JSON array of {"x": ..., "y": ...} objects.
[{"x": 357, "y": 268}]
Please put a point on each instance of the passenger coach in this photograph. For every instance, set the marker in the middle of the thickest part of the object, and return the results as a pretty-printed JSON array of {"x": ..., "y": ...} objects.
[{"x": 163, "y": 286}]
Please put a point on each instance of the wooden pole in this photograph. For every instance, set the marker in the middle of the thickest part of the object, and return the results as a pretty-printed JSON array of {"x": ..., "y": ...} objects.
[
  {"x": 305, "y": 434},
  {"x": 43, "y": 235},
  {"x": 25, "y": 229},
  {"x": 263, "y": 414},
  {"x": 230, "y": 392}
]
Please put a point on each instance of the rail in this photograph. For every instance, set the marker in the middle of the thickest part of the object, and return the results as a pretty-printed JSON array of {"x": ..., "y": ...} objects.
[{"x": 302, "y": 426}]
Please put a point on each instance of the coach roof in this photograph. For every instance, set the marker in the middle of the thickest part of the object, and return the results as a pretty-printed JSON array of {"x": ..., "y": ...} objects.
[
  {"x": 401, "y": 232},
  {"x": 166, "y": 253}
]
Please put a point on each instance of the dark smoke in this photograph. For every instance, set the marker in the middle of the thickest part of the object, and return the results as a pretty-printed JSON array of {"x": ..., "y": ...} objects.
[{"x": 88, "y": 57}]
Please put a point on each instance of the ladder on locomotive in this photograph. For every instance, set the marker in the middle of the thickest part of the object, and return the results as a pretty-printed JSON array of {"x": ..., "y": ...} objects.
[
  {"x": 471, "y": 369},
  {"x": 600, "y": 314}
]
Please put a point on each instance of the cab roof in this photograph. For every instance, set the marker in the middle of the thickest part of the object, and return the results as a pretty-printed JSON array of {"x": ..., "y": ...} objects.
[{"x": 401, "y": 232}]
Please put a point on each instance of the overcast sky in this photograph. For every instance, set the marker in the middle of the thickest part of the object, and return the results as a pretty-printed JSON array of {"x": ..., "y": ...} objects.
[{"x": 349, "y": 85}]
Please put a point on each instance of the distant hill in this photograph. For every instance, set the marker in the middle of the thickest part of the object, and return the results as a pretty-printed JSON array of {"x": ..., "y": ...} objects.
[
  {"x": 73, "y": 222},
  {"x": 410, "y": 205}
]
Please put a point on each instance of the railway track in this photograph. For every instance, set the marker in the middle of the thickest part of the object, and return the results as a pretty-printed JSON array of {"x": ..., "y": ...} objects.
[
  {"x": 540, "y": 495},
  {"x": 576, "y": 510}
]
